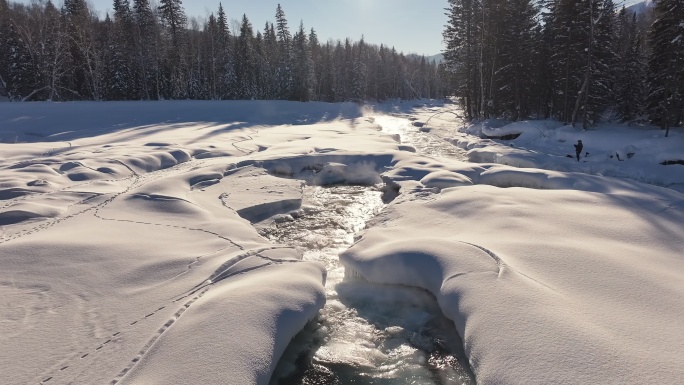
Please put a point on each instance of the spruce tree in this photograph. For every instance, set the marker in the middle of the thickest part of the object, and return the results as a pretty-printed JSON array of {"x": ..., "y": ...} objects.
[
  {"x": 147, "y": 51},
  {"x": 225, "y": 61},
  {"x": 269, "y": 57},
  {"x": 83, "y": 76},
  {"x": 174, "y": 76},
  {"x": 600, "y": 82},
  {"x": 246, "y": 62},
  {"x": 359, "y": 73},
  {"x": 20, "y": 80},
  {"x": 303, "y": 77},
  {"x": 514, "y": 78},
  {"x": 328, "y": 73},
  {"x": 461, "y": 53},
  {"x": 119, "y": 53},
  {"x": 140, "y": 53},
  {"x": 630, "y": 68},
  {"x": 4, "y": 47},
  {"x": 316, "y": 59},
  {"x": 666, "y": 65},
  {"x": 284, "y": 79}
]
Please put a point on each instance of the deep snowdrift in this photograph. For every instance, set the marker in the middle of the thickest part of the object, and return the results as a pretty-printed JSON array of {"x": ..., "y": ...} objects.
[
  {"x": 558, "y": 285},
  {"x": 127, "y": 254}
]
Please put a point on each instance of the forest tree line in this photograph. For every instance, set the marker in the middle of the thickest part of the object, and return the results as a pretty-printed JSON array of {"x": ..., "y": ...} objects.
[
  {"x": 572, "y": 60},
  {"x": 144, "y": 51}
]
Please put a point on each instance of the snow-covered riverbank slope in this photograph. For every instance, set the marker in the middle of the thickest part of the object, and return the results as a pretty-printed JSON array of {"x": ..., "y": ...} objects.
[
  {"x": 551, "y": 277},
  {"x": 124, "y": 253},
  {"x": 127, "y": 254}
]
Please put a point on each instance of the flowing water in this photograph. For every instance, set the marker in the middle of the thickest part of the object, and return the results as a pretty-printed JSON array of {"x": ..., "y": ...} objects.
[
  {"x": 366, "y": 333},
  {"x": 428, "y": 144}
]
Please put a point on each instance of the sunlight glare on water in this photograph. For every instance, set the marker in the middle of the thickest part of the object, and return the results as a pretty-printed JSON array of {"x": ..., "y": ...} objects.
[{"x": 428, "y": 144}]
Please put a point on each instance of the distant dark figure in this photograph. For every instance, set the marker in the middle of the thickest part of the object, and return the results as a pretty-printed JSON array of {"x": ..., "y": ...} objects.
[{"x": 578, "y": 149}]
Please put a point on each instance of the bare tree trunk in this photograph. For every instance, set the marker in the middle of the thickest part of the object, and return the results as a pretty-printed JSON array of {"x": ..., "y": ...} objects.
[
  {"x": 587, "y": 78},
  {"x": 3, "y": 84},
  {"x": 33, "y": 93},
  {"x": 481, "y": 67},
  {"x": 581, "y": 96},
  {"x": 566, "y": 91}
]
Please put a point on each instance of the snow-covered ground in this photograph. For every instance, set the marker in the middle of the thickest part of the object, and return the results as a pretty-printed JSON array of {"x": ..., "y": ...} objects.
[{"x": 128, "y": 252}]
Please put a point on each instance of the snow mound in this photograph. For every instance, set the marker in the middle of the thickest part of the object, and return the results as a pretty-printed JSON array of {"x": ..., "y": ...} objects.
[
  {"x": 445, "y": 179},
  {"x": 338, "y": 173},
  {"x": 24, "y": 211},
  {"x": 127, "y": 248},
  {"x": 219, "y": 325},
  {"x": 544, "y": 272},
  {"x": 632, "y": 152}
]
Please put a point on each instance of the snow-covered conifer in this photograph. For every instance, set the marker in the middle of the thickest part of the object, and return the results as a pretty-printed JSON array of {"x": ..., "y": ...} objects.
[{"x": 666, "y": 65}]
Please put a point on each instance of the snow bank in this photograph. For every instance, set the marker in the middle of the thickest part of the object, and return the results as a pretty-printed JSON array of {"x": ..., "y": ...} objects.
[
  {"x": 609, "y": 150},
  {"x": 545, "y": 286},
  {"x": 245, "y": 341},
  {"x": 128, "y": 252},
  {"x": 551, "y": 271},
  {"x": 126, "y": 249}
]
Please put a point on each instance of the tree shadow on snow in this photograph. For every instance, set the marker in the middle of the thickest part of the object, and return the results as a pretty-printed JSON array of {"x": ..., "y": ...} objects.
[{"x": 53, "y": 122}]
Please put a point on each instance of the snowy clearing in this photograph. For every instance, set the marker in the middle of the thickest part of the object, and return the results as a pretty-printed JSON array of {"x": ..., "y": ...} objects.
[{"x": 129, "y": 253}]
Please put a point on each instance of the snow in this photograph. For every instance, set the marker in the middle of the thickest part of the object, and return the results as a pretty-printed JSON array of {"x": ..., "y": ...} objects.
[
  {"x": 609, "y": 150},
  {"x": 542, "y": 284},
  {"x": 128, "y": 249},
  {"x": 551, "y": 275}
]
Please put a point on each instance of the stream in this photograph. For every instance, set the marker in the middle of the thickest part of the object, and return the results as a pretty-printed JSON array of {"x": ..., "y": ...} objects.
[{"x": 366, "y": 333}]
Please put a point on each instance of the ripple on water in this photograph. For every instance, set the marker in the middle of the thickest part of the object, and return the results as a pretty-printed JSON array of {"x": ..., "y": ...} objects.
[{"x": 366, "y": 333}]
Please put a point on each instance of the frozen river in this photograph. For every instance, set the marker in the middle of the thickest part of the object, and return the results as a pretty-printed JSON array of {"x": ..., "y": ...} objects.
[{"x": 367, "y": 333}]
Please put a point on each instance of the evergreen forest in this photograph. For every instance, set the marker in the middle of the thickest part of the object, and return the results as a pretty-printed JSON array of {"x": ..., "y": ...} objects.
[
  {"x": 578, "y": 61},
  {"x": 153, "y": 51}
]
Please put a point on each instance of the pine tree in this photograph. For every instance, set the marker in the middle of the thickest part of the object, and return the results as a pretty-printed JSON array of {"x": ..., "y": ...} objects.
[
  {"x": 114, "y": 78},
  {"x": 284, "y": 79},
  {"x": 51, "y": 54},
  {"x": 359, "y": 74},
  {"x": 303, "y": 77},
  {"x": 210, "y": 56},
  {"x": 316, "y": 59},
  {"x": 328, "y": 73},
  {"x": 269, "y": 62},
  {"x": 598, "y": 84},
  {"x": 84, "y": 76},
  {"x": 174, "y": 76},
  {"x": 666, "y": 65},
  {"x": 246, "y": 62},
  {"x": 147, "y": 51},
  {"x": 460, "y": 55},
  {"x": 20, "y": 74},
  {"x": 173, "y": 17},
  {"x": 514, "y": 78},
  {"x": 568, "y": 25},
  {"x": 196, "y": 62},
  {"x": 225, "y": 62},
  {"x": 4, "y": 47},
  {"x": 140, "y": 53},
  {"x": 119, "y": 52},
  {"x": 629, "y": 70}
]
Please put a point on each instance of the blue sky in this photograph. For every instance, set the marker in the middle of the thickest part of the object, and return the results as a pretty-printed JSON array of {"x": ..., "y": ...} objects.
[{"x": 411, "y": 26}]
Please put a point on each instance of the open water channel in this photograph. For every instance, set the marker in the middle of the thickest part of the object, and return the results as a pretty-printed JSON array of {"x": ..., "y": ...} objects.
[{"x": 366, "y": 333}]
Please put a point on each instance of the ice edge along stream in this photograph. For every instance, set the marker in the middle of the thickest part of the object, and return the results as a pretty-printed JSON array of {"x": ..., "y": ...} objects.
[{"x": 366, "y": 333}]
